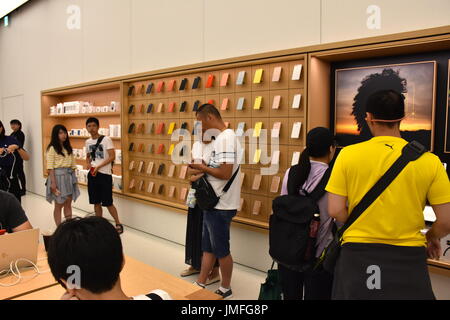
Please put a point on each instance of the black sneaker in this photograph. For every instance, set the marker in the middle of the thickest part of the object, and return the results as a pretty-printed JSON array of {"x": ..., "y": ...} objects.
[{"x": 225, "y": 295}]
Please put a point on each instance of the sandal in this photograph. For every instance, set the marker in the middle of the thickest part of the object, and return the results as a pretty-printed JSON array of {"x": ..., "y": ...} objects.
[{"x": 119, "y": 228}]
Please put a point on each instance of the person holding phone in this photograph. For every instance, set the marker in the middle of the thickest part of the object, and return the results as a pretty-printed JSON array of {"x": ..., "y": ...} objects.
[
  {"x": 62, "y": 186},
  {"x": 100, "y": 156}
]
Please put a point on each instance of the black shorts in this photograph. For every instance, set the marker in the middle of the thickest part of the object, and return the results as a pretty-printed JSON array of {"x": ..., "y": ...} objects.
[{"x": 100, "y": 189}]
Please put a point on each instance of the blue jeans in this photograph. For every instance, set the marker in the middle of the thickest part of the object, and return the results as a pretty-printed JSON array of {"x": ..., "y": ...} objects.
[{"x": 216, "y": 232}]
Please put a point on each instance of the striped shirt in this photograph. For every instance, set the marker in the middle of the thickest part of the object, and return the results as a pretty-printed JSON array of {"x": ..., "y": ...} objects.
[{"x": 55, "y": 160}]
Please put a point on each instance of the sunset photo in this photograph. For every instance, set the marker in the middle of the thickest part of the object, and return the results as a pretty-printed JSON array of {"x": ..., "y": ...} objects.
[{"x": 416, "y": 81}]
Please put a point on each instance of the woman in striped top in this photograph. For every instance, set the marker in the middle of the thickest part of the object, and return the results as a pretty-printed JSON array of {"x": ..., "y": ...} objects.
[{"x": 61, "y": 183}]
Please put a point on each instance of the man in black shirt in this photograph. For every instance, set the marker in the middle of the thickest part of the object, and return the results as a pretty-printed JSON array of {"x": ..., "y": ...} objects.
[
  {"x": 16, "y": 127},
  {"x": 12, "y": 216}
]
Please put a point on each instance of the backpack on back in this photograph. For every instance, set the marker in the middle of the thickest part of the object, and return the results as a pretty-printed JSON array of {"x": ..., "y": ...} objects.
[{"x": 289, "y": 225}]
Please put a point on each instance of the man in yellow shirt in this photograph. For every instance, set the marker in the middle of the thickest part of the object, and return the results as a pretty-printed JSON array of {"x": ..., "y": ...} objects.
[{"x": 384, "y": 252}]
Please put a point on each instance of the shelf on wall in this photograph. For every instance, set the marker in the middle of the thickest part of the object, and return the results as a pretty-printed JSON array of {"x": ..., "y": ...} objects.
[
  {"x": 85, "y": 115},
  {"x": 81, "y": 137}
]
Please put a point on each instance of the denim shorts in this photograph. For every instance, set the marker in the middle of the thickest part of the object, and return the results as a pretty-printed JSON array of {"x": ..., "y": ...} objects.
[{"x": 216, "y": 232}]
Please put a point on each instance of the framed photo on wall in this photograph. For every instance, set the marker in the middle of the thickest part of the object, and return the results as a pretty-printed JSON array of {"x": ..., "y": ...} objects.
[
  {"x": 416, "y": 81},
  {"x": 447, "y": 115}
]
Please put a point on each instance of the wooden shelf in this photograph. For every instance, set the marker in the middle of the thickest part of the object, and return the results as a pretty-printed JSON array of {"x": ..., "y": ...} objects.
[
  {"x": 86, "y": 115},
  {"x": 82, "y": 137}
]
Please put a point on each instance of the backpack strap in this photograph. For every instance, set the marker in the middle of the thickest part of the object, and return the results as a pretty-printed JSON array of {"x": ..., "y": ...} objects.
[
  {"x": 154, "y": 296},
  {"x": 411, "y": 152},
  {"x": 94, "y": 150},
  {"x": 319, "y": 190}
]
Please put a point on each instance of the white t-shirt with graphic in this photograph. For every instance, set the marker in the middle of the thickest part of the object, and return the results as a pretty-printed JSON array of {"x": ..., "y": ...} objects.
[
  {"x": 101, "y": 154},
  {"x": 226, "y": 149},
  {"x": 202, "y": 151}
]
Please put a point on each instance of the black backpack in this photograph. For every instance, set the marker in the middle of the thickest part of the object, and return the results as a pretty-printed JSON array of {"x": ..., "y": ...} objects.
[{"x": 290, "y": 222}]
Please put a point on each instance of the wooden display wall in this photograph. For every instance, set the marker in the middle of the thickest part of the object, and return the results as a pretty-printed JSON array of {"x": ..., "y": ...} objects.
[
  {"x": 99, "y": 95},
  {"x": 259, "y": 92}
]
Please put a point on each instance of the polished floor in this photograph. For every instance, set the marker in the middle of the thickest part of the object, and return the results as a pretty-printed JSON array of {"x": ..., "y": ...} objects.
[{"x": 160, "y": 253}]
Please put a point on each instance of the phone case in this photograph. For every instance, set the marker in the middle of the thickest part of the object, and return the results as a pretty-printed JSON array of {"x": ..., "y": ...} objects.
[
  {"x": 196, "y": 105},
  {"x": 276, "y": 157},
  {"x": 224, "y": 104},
  {"x": 276, "y": 130},
  {"x": 171, "y": 191},
  {"x": 131, "y": 109},
  {"x": 150, "y": 167},
  {"x": 297, "y": 72},
  {"x": 183, "y": 84},
  {"x": 276, "y": 74},
  {"x": 184, "y": 125},
  {"x": 160, "y": 107},
  {"x": 171, "y": 171},
  {"x": 183, "y": 106},
  {"x": 240, "y": 78},
  {"x": 183, "y": 194},
  {"x": 130, "y": 91},
  {"x": 161, "y": 169},
  {"x": 258, "y": 76},
  {"x": 183, "y": 172},
  {"x": 256, "y": 208},
  {"x": 240, "y": 103},
  {"x": 171, "y": 107},
  {"x": 140, "y": 166},
  {"x": 131, "y": 166},
  {"x": 150, "y": 187},
  {"x": 257, "y": 130},
  {"x": 258, "y": 102},
  {"x": 149, "y": 88},
  {"x": 142, "y": 90},
  {"x": 224, "y": 79},
  {"x": 276, "y": 102},
  {"x": 161, "y": 189},
  {"x": 296, "y": 101},
  {"x": 132, "y": 184},
  {"x": 172, "y": 147},
  {"x": 141, "y": 147},
  {"x": 131, "y": 128},
  {"x": 160, "y": 86},
  {"x": 131, "y": 147},
  {"x": 240, "y": 129},
  {"x": 210, "y": 81},
  {"x": 257, "y": 182},
  {"x": 150, "y": 108},
  {"x": 296, "y": 130},
  {"x": 196, "y": 83},
  {"x": 171, "y": 128},
  {"x": 171, "y": 85},
  {"x": 295, "y": 158},
  {"x": 275, "y": 184},
  {"x": 160, "y": 149}
]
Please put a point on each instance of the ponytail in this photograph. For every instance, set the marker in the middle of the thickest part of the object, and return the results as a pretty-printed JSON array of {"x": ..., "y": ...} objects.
[{"x": 299, "y": 173}]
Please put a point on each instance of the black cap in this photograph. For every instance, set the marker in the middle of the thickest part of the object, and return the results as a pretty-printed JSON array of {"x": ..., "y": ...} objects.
[{"x": 318, "y": 141}]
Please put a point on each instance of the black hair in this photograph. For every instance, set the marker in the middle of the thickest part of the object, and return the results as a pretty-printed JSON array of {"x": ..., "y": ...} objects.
[
  {"x": 15, "y": 121},
  {"x": 387, "y": 79},
  {"x": 208, "y": 108},
  {"x": 95, "y": 120},
  {"x": 3, "y": 132},
  {"x": 318, "y": 143},
  {"x": 56, "y": 144},
  {"x": 386, "y": 105},
  {"x": 93, "y": 245}
]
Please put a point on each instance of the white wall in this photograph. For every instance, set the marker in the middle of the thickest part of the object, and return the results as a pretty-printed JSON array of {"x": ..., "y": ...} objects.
[{"x": 119, "y": 37}]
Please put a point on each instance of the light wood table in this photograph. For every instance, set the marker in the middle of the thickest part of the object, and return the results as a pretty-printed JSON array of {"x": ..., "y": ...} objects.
[
  {"x": 139, "y": 278},
  {"x": 441, "y": 267},
  {"x": 30, "y": 282}
]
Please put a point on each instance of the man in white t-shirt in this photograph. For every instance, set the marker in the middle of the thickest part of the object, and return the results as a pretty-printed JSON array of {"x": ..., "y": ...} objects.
[
  {"x": 224, "y": 162},
  {"x": 100, "y": 156}
]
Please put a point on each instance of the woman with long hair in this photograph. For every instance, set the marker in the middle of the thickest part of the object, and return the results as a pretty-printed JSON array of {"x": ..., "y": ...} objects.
[
  {"x": 314, "y": 161},
  {"x": 61, "y": 183}
]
